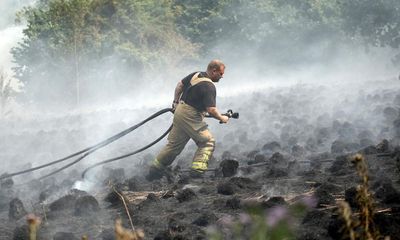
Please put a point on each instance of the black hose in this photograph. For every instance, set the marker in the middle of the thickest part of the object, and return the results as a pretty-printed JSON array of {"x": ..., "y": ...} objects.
[
  {"x": 88, "y": 150},
  {"x": 128, "y": 154}
]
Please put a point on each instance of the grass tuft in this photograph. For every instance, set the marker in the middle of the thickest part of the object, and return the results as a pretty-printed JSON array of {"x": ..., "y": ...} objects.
[
  {"x": 125, "y": 234},
  {"x": 362, "y": 226},
  {"x": 33, "y": 224},
  {"x": 350, "y": 224}
]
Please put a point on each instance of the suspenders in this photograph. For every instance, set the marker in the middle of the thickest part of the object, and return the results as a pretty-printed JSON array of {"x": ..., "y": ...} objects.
[{"x": 195, "y": 80}]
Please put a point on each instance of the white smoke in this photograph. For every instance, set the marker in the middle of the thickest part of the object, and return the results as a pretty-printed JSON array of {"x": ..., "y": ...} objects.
[{"x": 9, "y": 39}]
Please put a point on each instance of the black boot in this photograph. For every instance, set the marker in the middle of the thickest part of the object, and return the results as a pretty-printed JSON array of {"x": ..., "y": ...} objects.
[
  {"x": 185, "y": 177},
  {"x": 196, "y": 174},
  {"x": 155, "y": 173}
]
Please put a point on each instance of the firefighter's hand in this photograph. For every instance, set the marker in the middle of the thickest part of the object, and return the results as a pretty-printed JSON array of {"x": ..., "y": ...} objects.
[
  {"x": 224, "y": 119},
  {"x": 174, "y": 105}
]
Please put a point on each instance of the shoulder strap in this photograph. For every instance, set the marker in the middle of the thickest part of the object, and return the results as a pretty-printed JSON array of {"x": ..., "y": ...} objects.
[{"x": 196, "y": 79}]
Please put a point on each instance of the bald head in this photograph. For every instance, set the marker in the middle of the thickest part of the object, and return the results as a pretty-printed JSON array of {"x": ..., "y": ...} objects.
[
  {"x": 215, "y": 70},
  {"x": 215, "y": 64}
]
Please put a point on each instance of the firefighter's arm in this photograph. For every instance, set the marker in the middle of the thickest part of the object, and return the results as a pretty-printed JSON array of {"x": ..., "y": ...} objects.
[
  {"x": 213, "y": 111},
  {"x": 177, "y": 94}
]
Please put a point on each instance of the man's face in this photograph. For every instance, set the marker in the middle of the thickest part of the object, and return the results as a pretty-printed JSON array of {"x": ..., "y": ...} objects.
[{"x": 217, "y": 74}]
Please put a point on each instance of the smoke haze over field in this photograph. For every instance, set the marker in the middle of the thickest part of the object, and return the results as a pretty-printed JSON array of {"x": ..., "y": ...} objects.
[
  {"x": 10, "y": 34},
  {"x": 308, "y": 88},
  {"x": 9, "y": 38},
  {"x": 276, "y": 57},
  {"x": 266, "y": 82}
]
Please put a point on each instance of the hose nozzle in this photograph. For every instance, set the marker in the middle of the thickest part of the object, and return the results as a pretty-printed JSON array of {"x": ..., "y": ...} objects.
[{"x": 231, "y": 114}]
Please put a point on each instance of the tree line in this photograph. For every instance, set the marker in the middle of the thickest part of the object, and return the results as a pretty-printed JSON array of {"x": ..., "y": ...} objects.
[{"x": 69, "y": 46}]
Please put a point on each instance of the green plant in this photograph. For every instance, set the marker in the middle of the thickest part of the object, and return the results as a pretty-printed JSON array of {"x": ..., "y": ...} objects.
[{"x": 275, "y": 223}]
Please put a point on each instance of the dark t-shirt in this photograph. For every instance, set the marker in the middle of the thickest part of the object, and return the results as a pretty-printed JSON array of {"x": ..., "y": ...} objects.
[{"x": 201, "y": 95}]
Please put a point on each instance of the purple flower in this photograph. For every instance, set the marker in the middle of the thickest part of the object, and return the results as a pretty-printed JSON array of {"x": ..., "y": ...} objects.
[
  {"x": 244, "y": 218},
  {"x": 275, "y": 215},
  {"x": 226, "y": 220},
  {"x": 309, "y": 201}
]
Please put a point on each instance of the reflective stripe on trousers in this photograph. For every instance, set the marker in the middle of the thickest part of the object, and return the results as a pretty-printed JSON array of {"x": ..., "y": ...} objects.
[
  {"x": 203, "y": 155},
  {"x": 188, "y": 124}
]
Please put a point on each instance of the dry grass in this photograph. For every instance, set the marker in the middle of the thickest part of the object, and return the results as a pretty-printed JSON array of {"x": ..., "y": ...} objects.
[
  {"x": 33, "y": 224},
  {"x": 350, "y": 224},
  {"x": 125, "y": 234},
  {"x": 365, "y": 200},
  {"x": 120, "y": 232},
  {"x": 361, "y": 225}
]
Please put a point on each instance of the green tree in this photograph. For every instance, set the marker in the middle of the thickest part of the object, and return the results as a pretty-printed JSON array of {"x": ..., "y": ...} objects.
[
  {"x": 72, "y": 45},
  {"x": 260, "y": 26},
  {"x": 55, "y": 44},
  {"x": 377, "y": 22}
]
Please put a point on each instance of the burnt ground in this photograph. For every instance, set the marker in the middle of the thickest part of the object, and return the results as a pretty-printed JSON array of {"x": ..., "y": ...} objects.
[{"x": 286, "y": 149}]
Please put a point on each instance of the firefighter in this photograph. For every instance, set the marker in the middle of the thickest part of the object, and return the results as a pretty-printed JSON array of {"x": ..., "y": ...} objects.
[{"x": 195, "y": 96}]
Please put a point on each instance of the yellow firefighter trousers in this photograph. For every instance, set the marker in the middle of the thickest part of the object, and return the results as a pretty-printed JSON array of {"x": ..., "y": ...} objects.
[{"x": 187, "y": 124}]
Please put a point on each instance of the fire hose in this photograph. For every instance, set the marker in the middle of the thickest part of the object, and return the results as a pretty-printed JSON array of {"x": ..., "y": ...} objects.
[
  {"x": 89, "y": 150},
  {"x": 229, "y": 114}
]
